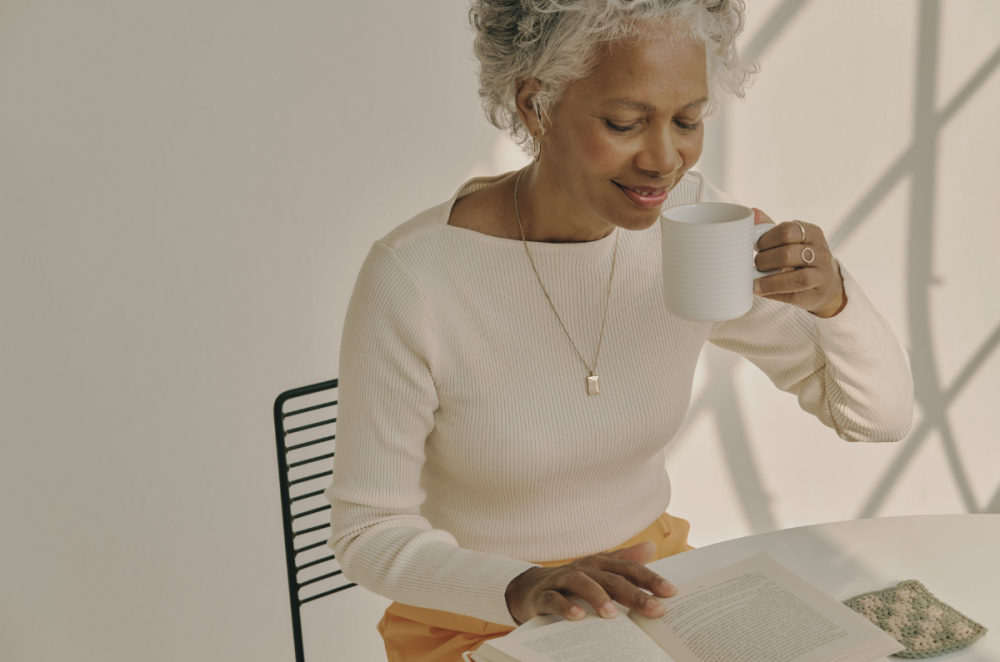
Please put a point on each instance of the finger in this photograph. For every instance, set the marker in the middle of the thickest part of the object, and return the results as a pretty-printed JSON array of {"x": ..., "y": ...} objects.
[
  {"x": 790, "y": 232},
  {"x": 789, "y": 256},
  {"x": 760, "y": 217},
  {"x": 785, "y": 233},
  {"x": 624, "y": 579},
  {"x": 554, "y": 602},
  {"x": 790, "y": 282},
  {"x": 628, "y": 594},
  {"x": 640, "y": 575},
  {"x": 814, "y": 234},
  {"x": 581, "y": 584}
]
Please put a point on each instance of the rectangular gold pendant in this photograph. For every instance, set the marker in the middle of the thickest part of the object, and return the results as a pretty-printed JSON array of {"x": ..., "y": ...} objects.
[{"x": 594, "y": 385}]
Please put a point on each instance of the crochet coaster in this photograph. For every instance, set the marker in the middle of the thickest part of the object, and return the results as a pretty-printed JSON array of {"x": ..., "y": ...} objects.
[{"x": 918, "y": 620}]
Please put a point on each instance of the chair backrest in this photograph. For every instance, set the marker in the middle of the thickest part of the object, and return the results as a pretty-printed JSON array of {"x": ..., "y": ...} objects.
[{"x": 305, "y": 421}]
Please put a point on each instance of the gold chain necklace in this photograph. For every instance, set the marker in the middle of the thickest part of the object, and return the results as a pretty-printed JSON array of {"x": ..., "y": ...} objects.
[{"x": 593, "y": 380}]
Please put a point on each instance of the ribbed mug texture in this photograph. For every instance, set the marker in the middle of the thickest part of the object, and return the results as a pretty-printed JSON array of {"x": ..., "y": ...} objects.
[{"x": 708, "y": 260}]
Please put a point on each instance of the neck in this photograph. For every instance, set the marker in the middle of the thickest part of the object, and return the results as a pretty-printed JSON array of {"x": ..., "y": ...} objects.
[{"x": 549, "y": 214}]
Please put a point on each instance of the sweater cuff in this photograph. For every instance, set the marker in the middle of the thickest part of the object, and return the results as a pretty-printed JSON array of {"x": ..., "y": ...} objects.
[
  {"x": 457, "y": 580},
  {"x": 854, "y": 314},
  {"x": 503, "y": 573},
  {"x": 869, "y": 363}
]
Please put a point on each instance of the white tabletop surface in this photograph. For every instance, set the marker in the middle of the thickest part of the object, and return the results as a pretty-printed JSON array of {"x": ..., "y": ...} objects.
[{"x": 957, "y": 557}]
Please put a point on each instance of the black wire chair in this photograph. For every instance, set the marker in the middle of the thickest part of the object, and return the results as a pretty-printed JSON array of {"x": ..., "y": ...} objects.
[{"x": 305, "y": 469}]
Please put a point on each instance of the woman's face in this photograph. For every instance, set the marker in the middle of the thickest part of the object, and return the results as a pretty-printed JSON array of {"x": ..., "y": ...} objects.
[{"x": 633, "y": 123}]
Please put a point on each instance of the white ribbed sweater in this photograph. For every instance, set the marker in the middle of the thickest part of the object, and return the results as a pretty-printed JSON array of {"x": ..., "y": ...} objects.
[{"x": 467, "y": 445}]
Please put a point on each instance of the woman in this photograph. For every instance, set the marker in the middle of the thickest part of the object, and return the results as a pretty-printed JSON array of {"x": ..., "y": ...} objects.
[{"x": 509, "y": 375}]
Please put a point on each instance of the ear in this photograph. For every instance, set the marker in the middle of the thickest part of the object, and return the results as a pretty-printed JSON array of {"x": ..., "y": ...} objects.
[{"x": 526, "y": 110}]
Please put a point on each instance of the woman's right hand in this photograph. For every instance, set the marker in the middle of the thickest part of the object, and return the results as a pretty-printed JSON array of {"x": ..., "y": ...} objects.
[{"x": 597, "y": 578}]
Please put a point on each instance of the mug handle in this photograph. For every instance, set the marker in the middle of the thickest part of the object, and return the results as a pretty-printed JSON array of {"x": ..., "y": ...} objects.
[{"x": 759, "y": 230}]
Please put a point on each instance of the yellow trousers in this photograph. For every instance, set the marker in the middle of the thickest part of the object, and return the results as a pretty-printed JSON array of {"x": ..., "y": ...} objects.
[{"x": 416, "y": 634}]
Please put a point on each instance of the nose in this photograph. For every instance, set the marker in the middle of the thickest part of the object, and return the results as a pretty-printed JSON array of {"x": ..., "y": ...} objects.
[{"x": 659, "y": 156}]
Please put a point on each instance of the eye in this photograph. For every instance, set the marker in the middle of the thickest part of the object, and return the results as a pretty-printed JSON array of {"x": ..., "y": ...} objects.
[
  {"x": 619, "y": 128},
  {"x": 687, "y": 127}
]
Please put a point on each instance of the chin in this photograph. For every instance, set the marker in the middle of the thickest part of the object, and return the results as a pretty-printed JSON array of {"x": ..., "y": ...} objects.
[{"x": 637, "y": 222}]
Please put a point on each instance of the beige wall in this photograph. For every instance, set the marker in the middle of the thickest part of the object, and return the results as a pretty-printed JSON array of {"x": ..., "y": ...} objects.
[
  {"x": 187, "y": 191},
  {"x": 878, "y": 122}
]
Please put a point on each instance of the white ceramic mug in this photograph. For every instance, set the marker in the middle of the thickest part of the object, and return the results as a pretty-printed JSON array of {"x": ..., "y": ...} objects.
[{"x": 708, "y": 252}]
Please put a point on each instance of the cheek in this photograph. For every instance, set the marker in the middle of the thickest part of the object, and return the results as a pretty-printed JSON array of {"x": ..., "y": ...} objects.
[
  {"x": 598, "y": 152},
  {"x": 691, "y": 148}
]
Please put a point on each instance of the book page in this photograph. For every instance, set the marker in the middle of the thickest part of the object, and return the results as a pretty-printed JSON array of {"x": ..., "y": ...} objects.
[
  {"x": 759, "y": 611},
  {"x": 593, "y": 639}
]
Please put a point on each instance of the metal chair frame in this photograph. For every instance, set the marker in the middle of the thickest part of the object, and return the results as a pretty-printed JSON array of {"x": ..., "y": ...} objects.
[{"x": 288, "y": 498}]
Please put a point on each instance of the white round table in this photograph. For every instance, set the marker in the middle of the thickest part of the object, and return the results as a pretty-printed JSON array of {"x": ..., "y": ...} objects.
[{"x": 955, "y": 556}]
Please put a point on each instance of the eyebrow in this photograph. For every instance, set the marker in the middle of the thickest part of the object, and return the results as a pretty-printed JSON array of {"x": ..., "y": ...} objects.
[{"x": 645, "y": 107}]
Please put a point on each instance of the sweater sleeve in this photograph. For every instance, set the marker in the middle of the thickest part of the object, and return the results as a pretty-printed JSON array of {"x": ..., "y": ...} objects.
[
  {"x": 387, "y": 399},
  {"x": 850, "y": 371}
]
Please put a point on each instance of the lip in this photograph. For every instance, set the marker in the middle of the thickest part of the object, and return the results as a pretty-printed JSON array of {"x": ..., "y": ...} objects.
[{"x": 644, "y": 201}]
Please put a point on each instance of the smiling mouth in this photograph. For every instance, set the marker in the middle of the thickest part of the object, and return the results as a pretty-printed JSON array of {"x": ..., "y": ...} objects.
[
  {"x": 644, "y": 197},
  {"x": 645, "y": 191}
]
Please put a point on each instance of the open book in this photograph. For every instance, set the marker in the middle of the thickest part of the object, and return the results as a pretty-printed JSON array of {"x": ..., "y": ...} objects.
[{"x": 755, "y": 610}]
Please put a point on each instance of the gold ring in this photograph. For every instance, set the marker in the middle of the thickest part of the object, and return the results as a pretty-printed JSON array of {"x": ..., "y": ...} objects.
[{"x": 803, "y": 231}]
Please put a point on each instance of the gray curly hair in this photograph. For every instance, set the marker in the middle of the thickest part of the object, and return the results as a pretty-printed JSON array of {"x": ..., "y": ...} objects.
[{"x": 555, "y": 41}]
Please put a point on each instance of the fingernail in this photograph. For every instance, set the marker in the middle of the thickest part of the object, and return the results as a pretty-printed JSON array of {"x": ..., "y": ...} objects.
[
  {"x": 667, "y": 586},
  {"x": 655, "y": 607},
  {"x": 756, "y": 287},
  {"x": 609, "y": 610},
  {"x": 575, "y": 612}
]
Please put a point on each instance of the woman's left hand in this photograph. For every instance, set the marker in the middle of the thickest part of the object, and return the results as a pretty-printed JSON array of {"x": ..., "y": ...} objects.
[{"x": 814, "y": 286}]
